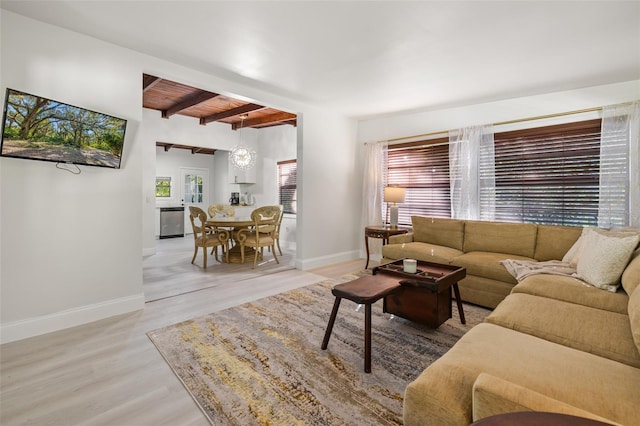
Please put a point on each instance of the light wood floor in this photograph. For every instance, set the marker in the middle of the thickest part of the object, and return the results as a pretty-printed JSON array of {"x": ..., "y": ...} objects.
[{"x": 108, "y": 372}]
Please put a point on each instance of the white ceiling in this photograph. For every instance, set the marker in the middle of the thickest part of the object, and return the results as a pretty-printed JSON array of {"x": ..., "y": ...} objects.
[{"x": 366, "y": 58}]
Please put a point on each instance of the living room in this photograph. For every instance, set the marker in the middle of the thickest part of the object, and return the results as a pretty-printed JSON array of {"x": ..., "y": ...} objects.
[{"x": 72, "y": 246}]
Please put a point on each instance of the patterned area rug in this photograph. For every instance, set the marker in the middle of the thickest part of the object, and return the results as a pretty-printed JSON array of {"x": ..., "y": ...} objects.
[{"x": 261, "y": 363}]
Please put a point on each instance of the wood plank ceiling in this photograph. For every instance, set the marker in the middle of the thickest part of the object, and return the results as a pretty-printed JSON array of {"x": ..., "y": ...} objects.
[{"x": 170, "y": 98}]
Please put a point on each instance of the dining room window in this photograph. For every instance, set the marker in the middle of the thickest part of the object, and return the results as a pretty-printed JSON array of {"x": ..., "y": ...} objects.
[
  {"x": 163, "y": 187},
  {"x": 287, "y": 185}
]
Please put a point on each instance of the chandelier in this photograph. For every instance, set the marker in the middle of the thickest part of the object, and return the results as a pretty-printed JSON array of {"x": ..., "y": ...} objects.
[{"x": 242, "y": 157}]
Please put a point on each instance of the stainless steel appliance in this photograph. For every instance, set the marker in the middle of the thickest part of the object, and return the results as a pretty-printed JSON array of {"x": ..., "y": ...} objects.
[
  {"x": 235, "y": 199},
  {"x": 171, "y": 222}
]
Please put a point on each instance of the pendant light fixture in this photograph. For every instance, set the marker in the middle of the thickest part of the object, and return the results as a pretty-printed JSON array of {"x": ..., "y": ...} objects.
[{"x": 242, "y": 157}]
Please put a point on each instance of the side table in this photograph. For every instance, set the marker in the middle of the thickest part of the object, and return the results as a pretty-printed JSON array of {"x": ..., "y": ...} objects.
[{"x": 382, "y": 232}]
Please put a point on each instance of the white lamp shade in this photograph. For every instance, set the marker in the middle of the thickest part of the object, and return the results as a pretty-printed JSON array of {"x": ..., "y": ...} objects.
[{"x": 393, "y": 194}]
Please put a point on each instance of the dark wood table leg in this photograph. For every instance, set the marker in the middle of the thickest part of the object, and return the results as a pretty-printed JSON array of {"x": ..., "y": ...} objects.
[
  {"x": 456, "y": 291},
  {"x": 366, "y": 244},
  {"x": 367, "y": 338},
  {"x": 332, "y": 320}
]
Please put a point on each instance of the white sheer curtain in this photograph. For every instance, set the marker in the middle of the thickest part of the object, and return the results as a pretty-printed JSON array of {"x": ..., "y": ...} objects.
[
  {"x": 619, "y": 203},
  {"x": 372, "y": 190},
  {"x": 472, "y": 173}
]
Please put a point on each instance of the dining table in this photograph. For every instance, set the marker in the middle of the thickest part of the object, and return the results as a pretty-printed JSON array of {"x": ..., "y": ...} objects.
[{"x": 235, "y": 224}]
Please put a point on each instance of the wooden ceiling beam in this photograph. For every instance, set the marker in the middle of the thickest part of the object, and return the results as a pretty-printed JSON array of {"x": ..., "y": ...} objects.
[
  {"x": 198, "y": 150},
  {"x": 166, "y": 145},
  {"x": 293, "y": 122},
  {"x": 230, "y": 113},
  {"x": 148, "y": 81},
  {"x": 196, "y": 99},
  {"x": 267, "y": 120},
  {"x": 194, "y": 149}
]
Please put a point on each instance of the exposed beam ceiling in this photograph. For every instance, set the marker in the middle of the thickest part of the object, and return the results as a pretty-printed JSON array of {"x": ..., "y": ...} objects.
[{"x": 170, "y": 97}]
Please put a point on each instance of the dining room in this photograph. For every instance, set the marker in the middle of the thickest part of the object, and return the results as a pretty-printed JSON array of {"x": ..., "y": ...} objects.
[{"x": 197, "y": 166}]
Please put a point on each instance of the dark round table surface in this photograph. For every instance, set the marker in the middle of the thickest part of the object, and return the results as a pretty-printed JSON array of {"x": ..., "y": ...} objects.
[{"x": 537, "y": 418}]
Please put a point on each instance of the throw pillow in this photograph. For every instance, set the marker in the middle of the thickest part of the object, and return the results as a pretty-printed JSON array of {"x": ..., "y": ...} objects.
[
  {"x": 603, "y": 257},
  {"x": 573, "y": 255}
]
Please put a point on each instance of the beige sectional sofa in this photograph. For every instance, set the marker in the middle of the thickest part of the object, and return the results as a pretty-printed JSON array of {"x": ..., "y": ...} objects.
[
  {"x": 479, "y": 247},
  {"x": 553, "y": 343}
]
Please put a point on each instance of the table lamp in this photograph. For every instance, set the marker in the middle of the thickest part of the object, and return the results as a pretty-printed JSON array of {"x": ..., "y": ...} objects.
[{"x": 393, "y": 194}]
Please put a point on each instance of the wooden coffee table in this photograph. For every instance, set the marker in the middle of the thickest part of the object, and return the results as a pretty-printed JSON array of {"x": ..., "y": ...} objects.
[{"x": 423, "y": 297}]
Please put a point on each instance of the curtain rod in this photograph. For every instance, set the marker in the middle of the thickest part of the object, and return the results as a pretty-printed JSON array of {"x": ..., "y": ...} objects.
[{"x": 500, "y": 123}]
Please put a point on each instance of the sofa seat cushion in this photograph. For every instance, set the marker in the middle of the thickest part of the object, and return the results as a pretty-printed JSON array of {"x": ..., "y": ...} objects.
[
  {"x": 442, "y": 394},
  {"x": 573, "y": 290},
  {"x": 421, "y": 251},
  {"x": 483, "y": 291},
  {"x": 441, "y": 232},
  {"x": 486, "y": 264},
  {"x": 500, "y": 237},
  {"x": 603, "y": 333}
]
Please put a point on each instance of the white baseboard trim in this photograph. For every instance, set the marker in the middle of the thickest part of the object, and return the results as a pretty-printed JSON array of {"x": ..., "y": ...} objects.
[
  {"x": 30, "y": 327},
  {"x": 317, "y": 262}
]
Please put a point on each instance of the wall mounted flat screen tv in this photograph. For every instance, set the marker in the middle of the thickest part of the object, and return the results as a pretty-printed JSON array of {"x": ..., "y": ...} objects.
[{"x": 38, "y": 128}]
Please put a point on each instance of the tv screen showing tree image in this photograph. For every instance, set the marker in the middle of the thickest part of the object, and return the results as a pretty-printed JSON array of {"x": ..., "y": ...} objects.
[{"x": 37, "y": 128}]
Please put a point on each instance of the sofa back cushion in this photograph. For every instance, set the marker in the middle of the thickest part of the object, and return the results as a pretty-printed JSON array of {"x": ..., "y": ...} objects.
[
  {"x": 553, "y": 242},
  {"x": 497, "y": 237},
  {"x": 442, "y": 232}
]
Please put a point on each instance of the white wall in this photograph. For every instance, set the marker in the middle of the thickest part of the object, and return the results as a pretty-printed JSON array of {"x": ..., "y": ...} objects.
[
  {"x": 402, "y": 125},
  {"x": 53, "y": 272},
  {"x": 329, "y": 190},
  {"x": 70, "y": 243},
  {"x": 275, "y": 144}
]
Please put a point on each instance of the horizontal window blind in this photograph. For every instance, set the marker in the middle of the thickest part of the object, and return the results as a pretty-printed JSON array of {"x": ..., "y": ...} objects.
[
  {"x": 423, "y": 169},
  {"x": 287, "y": 185},
  {"x": 548, "y": 175}
]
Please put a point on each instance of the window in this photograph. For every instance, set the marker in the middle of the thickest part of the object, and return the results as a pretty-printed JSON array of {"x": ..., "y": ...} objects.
[
  {"x": 549, "y": 175},
  {"x": 287, "y": 187},
  {"x": 546, "y": 175},
  {"x": 163, "y": 187},
  {"x": 423, "y": 169},
  {"x": 193, "y": 185}
]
